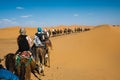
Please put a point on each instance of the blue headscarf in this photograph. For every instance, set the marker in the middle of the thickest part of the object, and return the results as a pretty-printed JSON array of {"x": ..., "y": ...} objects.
[{"x": 39, "y": 29}]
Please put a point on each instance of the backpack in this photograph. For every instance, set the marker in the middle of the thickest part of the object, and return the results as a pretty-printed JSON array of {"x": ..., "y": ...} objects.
[{"x": 40, "y": 36}]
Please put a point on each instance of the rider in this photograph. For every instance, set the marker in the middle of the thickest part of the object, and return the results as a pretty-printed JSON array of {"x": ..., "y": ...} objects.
[
  {"x": 40, "y": 38},
  {"x": 24, "y": 44},
  {"x": 6, "y": 75},
  {"x": 46, "y": 33},
  {"x": 24, "y": 41}
]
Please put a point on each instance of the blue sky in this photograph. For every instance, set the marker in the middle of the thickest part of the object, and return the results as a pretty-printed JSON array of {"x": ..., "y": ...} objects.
[{"x": 59, "y": 12}]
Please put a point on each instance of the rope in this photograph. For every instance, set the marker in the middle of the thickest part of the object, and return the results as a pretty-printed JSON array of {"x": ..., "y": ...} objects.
[
  {"x": 18, "y": 61},
  {"x": 30, "y": 59}
]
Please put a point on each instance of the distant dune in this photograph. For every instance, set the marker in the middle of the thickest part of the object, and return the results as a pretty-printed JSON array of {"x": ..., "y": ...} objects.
[{"x": 91, "y": 55}]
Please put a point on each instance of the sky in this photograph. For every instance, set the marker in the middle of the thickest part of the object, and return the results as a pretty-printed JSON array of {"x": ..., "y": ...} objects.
[{"x": 59, "y": 12}]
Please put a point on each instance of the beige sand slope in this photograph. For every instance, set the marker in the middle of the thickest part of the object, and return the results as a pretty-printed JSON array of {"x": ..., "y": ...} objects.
[{"x": 92, "y": 55}]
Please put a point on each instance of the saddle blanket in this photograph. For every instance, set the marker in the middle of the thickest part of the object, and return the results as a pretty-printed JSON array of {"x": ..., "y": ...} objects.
[{"x": 25, "y": 54}]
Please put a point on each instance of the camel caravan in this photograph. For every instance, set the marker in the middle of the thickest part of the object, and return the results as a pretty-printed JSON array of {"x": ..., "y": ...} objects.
[
  {"x": 58, "y": 32},
  {"x": 33, "y": 58}
]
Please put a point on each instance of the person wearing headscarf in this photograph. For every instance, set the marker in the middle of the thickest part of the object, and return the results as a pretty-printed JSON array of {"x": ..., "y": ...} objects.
[{"x": 6, "y": 74}]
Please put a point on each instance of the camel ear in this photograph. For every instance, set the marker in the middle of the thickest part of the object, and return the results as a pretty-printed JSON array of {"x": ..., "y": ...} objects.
[
  {"x": 4, "y": 57},
  {"x": 1, "y": 60}
]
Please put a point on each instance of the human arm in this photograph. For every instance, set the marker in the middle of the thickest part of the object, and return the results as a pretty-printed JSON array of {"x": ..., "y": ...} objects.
[{"x": 29, "y": 40}]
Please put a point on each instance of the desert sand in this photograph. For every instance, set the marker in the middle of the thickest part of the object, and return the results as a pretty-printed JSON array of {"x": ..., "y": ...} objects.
[{"x": 91, "y": 55}]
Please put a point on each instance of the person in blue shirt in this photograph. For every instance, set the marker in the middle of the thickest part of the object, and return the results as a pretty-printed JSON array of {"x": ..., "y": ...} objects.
[{"x": 6, "y": 74}]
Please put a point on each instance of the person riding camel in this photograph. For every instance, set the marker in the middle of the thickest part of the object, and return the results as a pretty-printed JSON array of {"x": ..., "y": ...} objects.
[
  {"x": 24, "y": 41},
  {"x": 47, "y": 36},
  {"x": 40, "y": 39},
  {"x": 6, "y": 74},
  {"x": 46, "y": 33},
  {"x": 24, "y": 46}
]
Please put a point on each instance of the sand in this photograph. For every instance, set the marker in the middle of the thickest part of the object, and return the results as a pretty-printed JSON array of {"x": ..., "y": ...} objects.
[{"x": 91, "y": 55}]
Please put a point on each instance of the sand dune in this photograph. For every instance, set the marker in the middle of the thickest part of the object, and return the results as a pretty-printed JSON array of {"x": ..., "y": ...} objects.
[{"x": 91, "y": 55}]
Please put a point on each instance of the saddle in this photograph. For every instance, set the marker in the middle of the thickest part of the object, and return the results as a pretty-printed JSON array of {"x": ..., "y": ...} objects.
[{"x": 25, "y": 54}]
